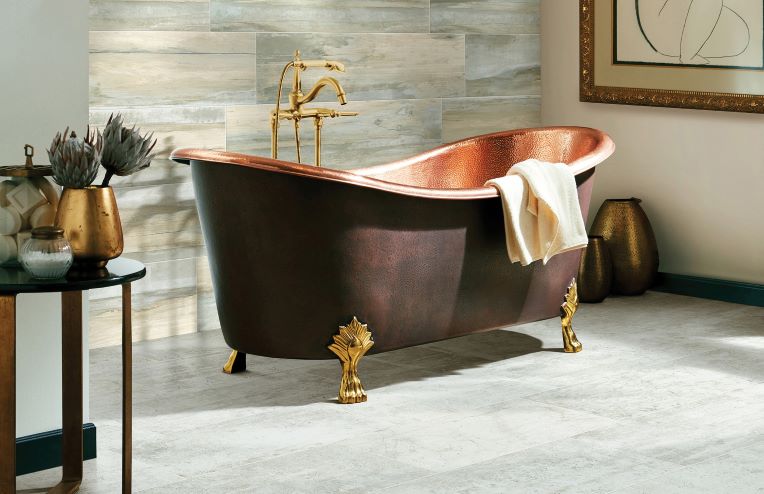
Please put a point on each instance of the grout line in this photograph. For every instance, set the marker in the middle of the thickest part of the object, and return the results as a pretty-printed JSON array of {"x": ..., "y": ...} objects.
[
  {"x": 464, "y": 46},
  {"x": 442, "y": 121}
]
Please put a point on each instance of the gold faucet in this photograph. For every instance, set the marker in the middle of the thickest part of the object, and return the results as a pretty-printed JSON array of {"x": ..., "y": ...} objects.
[{"x": 297, "y": 100}]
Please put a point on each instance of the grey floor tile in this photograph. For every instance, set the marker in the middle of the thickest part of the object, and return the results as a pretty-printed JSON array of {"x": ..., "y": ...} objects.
[
  {"x": 460, "y": 441},
  {"x": 667, "y": 396},
  {"x": 572, "y": 465},
  {"x": 741, "y": 472}
]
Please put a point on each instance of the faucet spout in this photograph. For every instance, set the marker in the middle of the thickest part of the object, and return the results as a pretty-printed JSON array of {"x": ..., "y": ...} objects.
[{"x": 319, "y": 85}]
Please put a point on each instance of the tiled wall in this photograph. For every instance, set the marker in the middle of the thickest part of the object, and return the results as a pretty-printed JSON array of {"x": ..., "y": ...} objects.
[{"x": 203, "y": 73}]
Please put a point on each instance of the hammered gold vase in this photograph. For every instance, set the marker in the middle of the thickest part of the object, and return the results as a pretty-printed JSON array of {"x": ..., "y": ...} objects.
[
  {"x": 595, "y": 273},
  {"x": 631, "y": 243},
  {"x": 91, "y": 223}
]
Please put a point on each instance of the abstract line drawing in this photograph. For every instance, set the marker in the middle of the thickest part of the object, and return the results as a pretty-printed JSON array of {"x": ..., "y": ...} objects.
[{"x": 694, "y": 32}]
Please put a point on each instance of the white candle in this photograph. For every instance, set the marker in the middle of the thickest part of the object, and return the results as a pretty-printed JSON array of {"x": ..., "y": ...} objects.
[
  {"x": 10, "y": 221},
  {"x": 7, "y": 249},
  {"x": 5, "y": 187},
  {"x": 42, "y": 216}
]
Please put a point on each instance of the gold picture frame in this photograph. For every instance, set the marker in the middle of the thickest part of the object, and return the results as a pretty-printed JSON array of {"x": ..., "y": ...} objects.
[{"x": 596, "y": 86}]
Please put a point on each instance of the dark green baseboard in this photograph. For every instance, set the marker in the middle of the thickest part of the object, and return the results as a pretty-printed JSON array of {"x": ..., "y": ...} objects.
[
  {"x": 727, "y": 291},
  {"x": 42, "y": 451}
]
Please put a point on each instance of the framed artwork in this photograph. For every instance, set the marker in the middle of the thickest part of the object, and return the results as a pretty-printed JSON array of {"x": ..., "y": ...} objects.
[{"x": 705, "y": 55}]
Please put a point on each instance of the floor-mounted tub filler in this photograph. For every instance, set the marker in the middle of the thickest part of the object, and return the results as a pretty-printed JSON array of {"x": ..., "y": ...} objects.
[{"x": 415, "y": 248}]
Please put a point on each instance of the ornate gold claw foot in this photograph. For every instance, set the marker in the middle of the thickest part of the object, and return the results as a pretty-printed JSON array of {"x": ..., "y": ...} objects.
[
  {"x": 237, "y": 362},
  {"x": 350, "y": 346},
  {"x": 567, "y": 310}
]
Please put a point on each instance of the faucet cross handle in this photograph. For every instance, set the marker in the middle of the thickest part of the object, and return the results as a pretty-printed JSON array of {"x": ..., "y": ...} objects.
[{"x": 322, "y": 64}]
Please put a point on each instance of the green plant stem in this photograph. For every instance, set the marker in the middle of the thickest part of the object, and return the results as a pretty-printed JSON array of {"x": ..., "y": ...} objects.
[{"x": 107, "y": 178}]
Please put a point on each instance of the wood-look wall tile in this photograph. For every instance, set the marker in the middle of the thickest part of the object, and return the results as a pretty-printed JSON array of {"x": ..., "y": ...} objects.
[
  {"x": 337, "y": 16},
  {"x": 157, "y": 73},
  {"x": 485, "y": 16},
  {"x": 143, "y": 15},
  {"x": 159, "y": 221},
  {"x": 189, "y": 43},
  {"x": 383, "y": 131},
  {"x": 206, "y": 310},
  {"x": 173, "y": 127},
  {"x": 181, "y": 248},
  {"x": 467, "y": 117},
  {"x": 176, "y": 274},
  {"x": 203, "y": 274},
  {"x": 164, "y": 304},
  {"x": 503, "y": 65},
  {"x": 173, "y": 313},
  {"x": 162, "y": 171},
  {"x": 379, "y": 66},
  {"x": 165, "y": 246}
]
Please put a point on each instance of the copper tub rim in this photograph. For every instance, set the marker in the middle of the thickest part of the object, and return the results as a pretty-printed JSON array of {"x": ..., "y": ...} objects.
[{"x": 360, "y": 176}]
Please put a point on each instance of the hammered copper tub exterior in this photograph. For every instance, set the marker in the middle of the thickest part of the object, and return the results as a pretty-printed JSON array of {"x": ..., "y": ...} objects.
[{"x": 415, "y": 248}]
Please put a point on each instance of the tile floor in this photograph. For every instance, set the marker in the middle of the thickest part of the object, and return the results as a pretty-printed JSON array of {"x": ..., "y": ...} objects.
[{"x": 667, "y": 397}]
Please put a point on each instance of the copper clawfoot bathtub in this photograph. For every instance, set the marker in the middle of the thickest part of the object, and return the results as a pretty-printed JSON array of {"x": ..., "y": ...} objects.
[{"x": 415, "y": 249}]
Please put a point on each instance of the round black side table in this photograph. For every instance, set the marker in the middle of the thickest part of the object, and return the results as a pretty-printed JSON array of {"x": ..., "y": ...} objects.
[{"x": 14, "y": 281}]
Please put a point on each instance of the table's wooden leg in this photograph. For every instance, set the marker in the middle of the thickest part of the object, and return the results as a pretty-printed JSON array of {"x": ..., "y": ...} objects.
[
  {"x": 7, "y": 394},
  {"x": 71, "y": 392},
  {"x": 127, "y": 389}
]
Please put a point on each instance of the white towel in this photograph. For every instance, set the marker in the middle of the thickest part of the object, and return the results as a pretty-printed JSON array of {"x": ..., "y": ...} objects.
[{"x": 542, "y": 216}]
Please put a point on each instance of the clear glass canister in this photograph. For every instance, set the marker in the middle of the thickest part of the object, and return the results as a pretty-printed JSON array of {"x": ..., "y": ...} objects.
[
  {"x": 27, "y": 200},
  {"x": 47, "y": 254}
]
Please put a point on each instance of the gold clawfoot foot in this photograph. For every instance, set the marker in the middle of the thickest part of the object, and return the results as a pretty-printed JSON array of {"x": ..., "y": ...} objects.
[
  {"x": 567, "y": 310},
  {"x": 350, "y": 345},
  {"x": 237, "y": 362}
]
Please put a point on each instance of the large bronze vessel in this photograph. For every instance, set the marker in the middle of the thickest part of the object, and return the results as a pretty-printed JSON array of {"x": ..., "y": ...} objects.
[
  {"x": 595, "y": 273},
  {"x": 631, "y": 244}
]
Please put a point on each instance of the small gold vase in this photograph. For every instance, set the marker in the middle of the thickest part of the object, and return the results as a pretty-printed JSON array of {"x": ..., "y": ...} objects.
[
  {"x": 631, "y": 242},
  {"x": 91, "y": 223},
  {"x": 595, "y": 273}
]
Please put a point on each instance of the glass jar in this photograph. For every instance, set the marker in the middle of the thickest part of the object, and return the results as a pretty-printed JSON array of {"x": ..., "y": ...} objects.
[
  {"x": 27, "y": 200},
  {"x": 47, "y": 255}
]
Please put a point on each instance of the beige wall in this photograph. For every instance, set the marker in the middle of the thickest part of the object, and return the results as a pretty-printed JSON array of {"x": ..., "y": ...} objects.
[
  {"x": 700, "y": 173},
  {"x": 203, "y": 72},
  {"x": 44, "y": 65}
]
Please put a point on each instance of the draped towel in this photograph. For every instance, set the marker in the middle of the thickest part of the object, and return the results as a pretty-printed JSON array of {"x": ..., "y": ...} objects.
[{"x": 542, "y": 215}]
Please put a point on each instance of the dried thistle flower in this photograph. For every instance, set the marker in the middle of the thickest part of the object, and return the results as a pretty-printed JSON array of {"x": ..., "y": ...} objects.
[
  {"x": 75, "y": 161},
  {"x": 125, "y": 151}
]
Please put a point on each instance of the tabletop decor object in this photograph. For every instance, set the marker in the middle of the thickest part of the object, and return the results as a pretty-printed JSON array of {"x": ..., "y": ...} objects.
[
  {"x": 75, "y": 160},
  {"x": 27, "y": 200},
  {"x": 89, "y": 214},
  {"x": 595, "y": 273},
  {"x": 704, "y": 55},
  {"x": 627, "y": 232},
  {"x": 90, "y": 220},
  {"x": 47, "y": 255},
  {"x": 125, "y": 151}
]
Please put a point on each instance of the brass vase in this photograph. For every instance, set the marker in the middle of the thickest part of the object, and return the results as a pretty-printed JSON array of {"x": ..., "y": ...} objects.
[
  {"x": 595, "y": 273},
  {"x": 631, "y": 242},
  {"x": 91, "y": 223}
]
